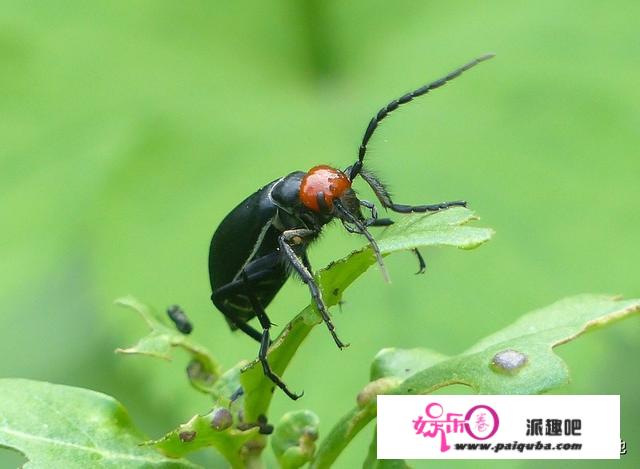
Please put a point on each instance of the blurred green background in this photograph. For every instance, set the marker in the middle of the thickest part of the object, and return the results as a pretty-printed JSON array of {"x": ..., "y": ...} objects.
[{"x": 129, "y": 129}]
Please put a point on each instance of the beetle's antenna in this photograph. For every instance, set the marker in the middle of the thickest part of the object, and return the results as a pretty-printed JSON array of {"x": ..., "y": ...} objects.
[
  {"x": 346, "y": 215},
  {"x": 393, "y": 105}
]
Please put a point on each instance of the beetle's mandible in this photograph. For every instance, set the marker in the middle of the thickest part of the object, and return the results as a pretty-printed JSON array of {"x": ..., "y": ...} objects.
[{"x": 265, "y": 238}]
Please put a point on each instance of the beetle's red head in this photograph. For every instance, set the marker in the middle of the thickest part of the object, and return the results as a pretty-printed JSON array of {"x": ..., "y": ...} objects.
[{"x": 321, "y": 186}]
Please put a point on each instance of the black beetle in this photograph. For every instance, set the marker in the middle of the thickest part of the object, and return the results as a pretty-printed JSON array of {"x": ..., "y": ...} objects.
[
  {"x": 265, "y": 238},
  {"x": 180, "y": 319}
]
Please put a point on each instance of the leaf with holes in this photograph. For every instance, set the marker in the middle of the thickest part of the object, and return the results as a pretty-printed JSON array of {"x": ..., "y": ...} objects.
[
  {"x": 219, "y": 429},
  {"x": 519, "y": 359},
  {"x": 203, "y": 370}
]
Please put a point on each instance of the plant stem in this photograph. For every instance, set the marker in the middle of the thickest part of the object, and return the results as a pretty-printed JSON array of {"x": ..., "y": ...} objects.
[{"x": 341, "y": 435}]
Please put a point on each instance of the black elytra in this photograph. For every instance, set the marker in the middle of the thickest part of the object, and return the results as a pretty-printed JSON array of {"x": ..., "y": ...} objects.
[{"x": 265, "y": 238}]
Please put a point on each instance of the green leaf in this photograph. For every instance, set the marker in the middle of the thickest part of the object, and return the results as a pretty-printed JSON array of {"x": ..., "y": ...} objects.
[
  {"x": 203, "y": 371},
  {"x": 532, "y": 338},
  {"x": 519, "y": 359},
  {"x": 64, "y": 427},
  {"x": 402, "y": 363},
  {"x": 293, "y": 441},
  {"x": 389, "y": 367},
  {"x": 341, "y": 435},
  {"x": 445, "y": 228},
  {"x": 217, "y": 429}
]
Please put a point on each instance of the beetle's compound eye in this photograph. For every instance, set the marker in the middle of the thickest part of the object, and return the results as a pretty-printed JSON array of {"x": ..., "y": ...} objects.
[{"x": 331, "y": 182}]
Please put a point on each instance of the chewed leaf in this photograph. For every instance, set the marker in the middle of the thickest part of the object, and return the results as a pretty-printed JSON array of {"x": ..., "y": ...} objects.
[
  {"x": 445, "y": 228},
  {"x": 219, "y": 429},
  {"x": 564, "y": 320},
  {"x": 519, "y": 359},
  {"x": 64, "y": 427},
  {"x": 203, "y": 371}
]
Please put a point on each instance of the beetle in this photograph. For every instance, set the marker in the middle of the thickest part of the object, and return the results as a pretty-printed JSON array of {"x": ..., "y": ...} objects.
[
  {"x": 262, "y": 241},
  {"x": 180, "y": 319}
]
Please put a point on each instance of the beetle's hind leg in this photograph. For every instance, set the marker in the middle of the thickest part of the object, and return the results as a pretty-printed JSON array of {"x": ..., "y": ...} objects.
[
  {"x": 293, "y": 237},
  {"x": 229, "y": 291},
  {"x": 385, "y": 198},
  {"x": 265, "y": 340},
  {"x": 240, "y": 324}
]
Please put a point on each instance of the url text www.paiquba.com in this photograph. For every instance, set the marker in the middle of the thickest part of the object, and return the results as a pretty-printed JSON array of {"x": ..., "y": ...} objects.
[{"x": 515, "y": 446}]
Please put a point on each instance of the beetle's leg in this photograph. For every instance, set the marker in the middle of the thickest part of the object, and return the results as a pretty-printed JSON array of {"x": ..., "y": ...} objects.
[
  {"x": 305, "y": 261},
  {"x": 243, "y": 326},
  {"x": 347, "y": 217},
  {"x": 265, "y": 341},
  {"x": 247, "y": 329},
  {"x": 422, "y": 265},
  {"x": 374, "y": 220},
  {"x": 372, "y": 209},
  {"x": 229, "y": 289},
  {"x": 379, "y": 222},
  {"x": 238, "y": 285},
  {"x": 350, "y": 229},
  {"x": 385, "y": 198},
  {"x": 294, "y": 237},
  {"x": 255, "y": 271}
]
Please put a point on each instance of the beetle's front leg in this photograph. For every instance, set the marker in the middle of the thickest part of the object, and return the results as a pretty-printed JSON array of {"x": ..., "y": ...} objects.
[
  {"x": 384, "y": 197},
  {"x": 374, "y": 220},
  {"x": 372, "y": 208},
  {"x": 287, "y": 240}
]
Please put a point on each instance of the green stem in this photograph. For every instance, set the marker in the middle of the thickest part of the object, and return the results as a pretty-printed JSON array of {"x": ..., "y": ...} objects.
[{"x": 341, "y": 435}]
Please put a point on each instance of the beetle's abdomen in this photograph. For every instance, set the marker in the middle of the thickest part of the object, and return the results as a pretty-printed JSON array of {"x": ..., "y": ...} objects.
[
  {"x": 239, "y": 236},
  {"x": 246, "y": 240}
]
